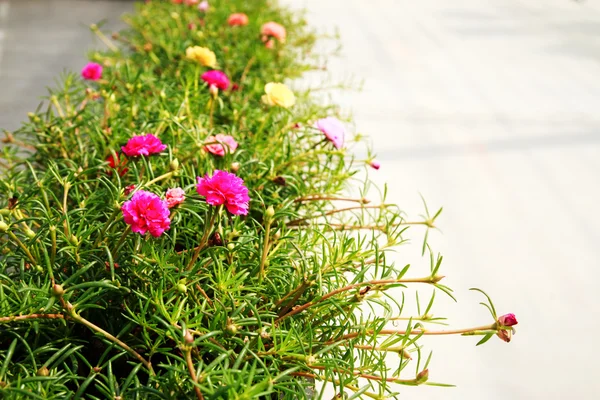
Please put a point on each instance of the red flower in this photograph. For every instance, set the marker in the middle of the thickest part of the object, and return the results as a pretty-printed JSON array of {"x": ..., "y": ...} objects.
[
  {"x": 237, "y": 19},
  {"x": 117, "y": 163}
]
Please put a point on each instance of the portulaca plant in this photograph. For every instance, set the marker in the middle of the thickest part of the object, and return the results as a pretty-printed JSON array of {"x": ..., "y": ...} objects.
[{"x": 175, "y": 222}]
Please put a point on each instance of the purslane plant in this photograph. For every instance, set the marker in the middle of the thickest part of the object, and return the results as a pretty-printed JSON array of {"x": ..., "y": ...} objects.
[{"x": 175, "y": 223}]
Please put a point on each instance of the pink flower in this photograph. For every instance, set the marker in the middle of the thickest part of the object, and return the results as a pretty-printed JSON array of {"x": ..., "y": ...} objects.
[
  {"x": 143, "y": 145},
  {"x": 146, "y": 212},
  {"x": 275, "y": 30},
  {"x": 333, "y": 130},
  {"x": 92, "y": 71},
  {"x": 237, "y": 19},
  {"x": 225, "y": 188},
  {"x": 219, "y": 143},
  {"x": 216, "y": 78},
  {"x": 174, "y": 197},
  {"x": 270, "y": 44},
  {"x": 203, "y": 7},
  {"x": 375, "y": 164},
  {"x": 191, "y": 2},
  {"x": 507, "y": 320}
]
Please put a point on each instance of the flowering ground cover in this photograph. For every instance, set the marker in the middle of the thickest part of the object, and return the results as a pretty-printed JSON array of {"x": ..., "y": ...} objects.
[{"x": 175, "y": 223}]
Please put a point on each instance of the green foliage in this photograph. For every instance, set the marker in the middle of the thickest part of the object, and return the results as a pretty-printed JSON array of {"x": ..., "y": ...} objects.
[{"x": 219, "y": 306}]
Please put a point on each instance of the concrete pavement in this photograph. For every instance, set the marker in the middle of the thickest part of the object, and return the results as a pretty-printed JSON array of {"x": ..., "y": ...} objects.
[{"x": 488, "y": 108}]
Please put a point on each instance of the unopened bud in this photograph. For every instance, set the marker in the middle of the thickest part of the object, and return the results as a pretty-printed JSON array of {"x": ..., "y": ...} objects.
[
  {"x": 57, "y": 290},
  {"x": 43, "y": 371},
  {"x": 189, "y": 339},
  {"x": 174, "y": 165},
  {"x": 232, "y": 329},
  {"x": 422, "y": 376},
  {"x": 231, "y": 246},
  {"x": 3, "y": 226},
  {"x": 74, "y": 240},
  {"x": 181, "y": 288},
  {"x": 270, "y": 212},
  {"x": 235, "y": 167}
]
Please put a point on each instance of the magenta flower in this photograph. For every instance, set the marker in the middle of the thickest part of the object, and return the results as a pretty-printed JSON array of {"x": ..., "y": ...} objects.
[
  {"x": 218, "y": 143},
  {"x": 143, "y": 145},
  {"x": 375, "y": 164},
  {"x": 92, "y": 72},
  {"x": 146, "y": 212},
  {"x": 225, "y": 188},
  {"x": 174, "y": 196},
  {"x": 216, "y": 78},
  {"x": 507, "y": 320},
  {"x": 333, "y": 129}
]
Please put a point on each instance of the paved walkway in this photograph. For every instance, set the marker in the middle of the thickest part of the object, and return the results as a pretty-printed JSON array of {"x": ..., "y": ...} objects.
[{"x": 488, "y": 108}]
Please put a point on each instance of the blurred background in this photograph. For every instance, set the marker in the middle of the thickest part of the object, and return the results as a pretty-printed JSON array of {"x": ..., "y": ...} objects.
[{"x": 487, "y": 108}]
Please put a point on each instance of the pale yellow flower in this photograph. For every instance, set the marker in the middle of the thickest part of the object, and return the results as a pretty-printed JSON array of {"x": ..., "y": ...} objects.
[
  {"x": 277, "y": 94},
  {"x": 202, "y": 55}
]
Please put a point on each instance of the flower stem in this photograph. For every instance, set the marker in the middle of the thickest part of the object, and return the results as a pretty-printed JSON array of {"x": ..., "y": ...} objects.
[
  {"x": 192, "y": 370},
  {"x": 429, "y": 280},
  {"x": 22, "y": 246},
  {"x": 159, "y": 178},
  {"x": 30, "y": 316},
  {"x": 361, "y": 207},
  {"x": 207, "y": 230},
  {"x": 465, "y": 332},
  {"x": 112, "y": 338},
  {"x": 265, "y": 251}
]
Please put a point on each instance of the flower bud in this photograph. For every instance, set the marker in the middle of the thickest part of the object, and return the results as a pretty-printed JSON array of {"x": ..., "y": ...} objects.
[
  {"x": 231, "y": 329},
  {"x": 213, "y": 90},
  {"x": 189, "y": 339},
  {"x": 174, "y": 165},
  {"x": 74, "y": 240},
  {"x": 270, "y": 212},
  {"x": 507, "y": 320},
  {"x": 3, "y": 226},
  {"x": 375, "y": 164},
  {"x": 181, "y": 288},
  {"x": 43, "y": 371},
  {"x": 230, "y": 246},
  {"x": 57, "y": 290},
  {"x": 422, "y": 377},
  {"x": 235, "y": 167},
  {"x": 505, "y": 335}
]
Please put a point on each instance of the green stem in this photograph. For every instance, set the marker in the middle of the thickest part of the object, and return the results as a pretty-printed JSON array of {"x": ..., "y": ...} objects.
[
  {"x": 113, "y": 339},
  {"x": 159, "y": 178},
  {"x": 22, "y": 246},
  {"x": 207, "y": 230},
  {"x": 265, "y": 251}
]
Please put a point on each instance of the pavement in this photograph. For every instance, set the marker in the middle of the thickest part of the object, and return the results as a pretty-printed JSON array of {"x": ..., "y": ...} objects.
[{"x": 487, "y": 108}]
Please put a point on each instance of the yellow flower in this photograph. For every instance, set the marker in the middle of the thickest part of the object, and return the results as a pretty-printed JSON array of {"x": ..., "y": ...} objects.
[
  {"x": 277, "y": 94},
  {"x": 202, "y": 55}
]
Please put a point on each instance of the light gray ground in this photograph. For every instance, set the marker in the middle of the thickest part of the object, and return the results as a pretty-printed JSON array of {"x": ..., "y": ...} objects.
[{"x": 486, "y": 107}]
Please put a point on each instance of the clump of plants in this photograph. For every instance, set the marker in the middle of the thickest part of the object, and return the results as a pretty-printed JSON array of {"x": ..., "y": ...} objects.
[{"x": 175, "y": 222}]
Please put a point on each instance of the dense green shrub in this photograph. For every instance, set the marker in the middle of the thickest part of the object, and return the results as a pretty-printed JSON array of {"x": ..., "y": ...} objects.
[{"x": 221, "y": 304}]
